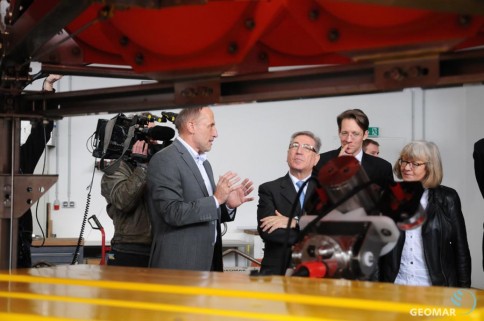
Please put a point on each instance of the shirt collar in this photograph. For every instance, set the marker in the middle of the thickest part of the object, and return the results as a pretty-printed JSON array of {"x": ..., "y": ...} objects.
[
  {"x": 359, "y": 156},
  {"x": 199, "y": 158},
  {"x": 294, "y": 179}
]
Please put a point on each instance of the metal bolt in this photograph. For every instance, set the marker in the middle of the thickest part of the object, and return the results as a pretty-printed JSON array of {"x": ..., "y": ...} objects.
[
  {"x": 106, "y": 12},
  {"x": 75, "y": 51},
  {"x": 233, "y": 47},
  {"x": 396, "y": 74},
  {"x": 464, "y": 20},
  {"x": 313, "y": 14},
  {"x": 29, "y": 201},
  {"x": 417, "y": 71},
  {"x": 250, "y": 24},
  {"x": 206, "y": 91},
  {"x": 123, "y": 41},
  {"x": 29, "y": 189},
  {"x": 188, "y": 92},
  {"x": 333, "y": 35},
  {"x": 139, "y": 59}
]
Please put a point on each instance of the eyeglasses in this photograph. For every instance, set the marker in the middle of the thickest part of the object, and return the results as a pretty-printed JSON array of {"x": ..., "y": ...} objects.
[
  {"x": 305, "y": 147},
  {"x": 352, "y": 134},
  {"x": 404, "y": 163}
]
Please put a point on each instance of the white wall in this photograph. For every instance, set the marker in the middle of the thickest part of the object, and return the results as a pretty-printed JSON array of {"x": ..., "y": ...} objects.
[{"x": 253, "y": 141}]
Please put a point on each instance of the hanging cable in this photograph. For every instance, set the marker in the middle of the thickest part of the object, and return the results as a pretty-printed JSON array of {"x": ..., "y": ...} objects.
[
  {"x": 43, "y": 172},
  {"x": 84, "y": 219}
]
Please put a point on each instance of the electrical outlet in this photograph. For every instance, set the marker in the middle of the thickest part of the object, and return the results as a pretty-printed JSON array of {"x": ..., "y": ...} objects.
[{"x": 72, "y": 204}]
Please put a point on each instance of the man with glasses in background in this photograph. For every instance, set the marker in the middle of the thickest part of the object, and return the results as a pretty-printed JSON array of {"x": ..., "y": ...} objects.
[
  {"x": 353, "y": 130},
  {"x": 277, "y": 198}
]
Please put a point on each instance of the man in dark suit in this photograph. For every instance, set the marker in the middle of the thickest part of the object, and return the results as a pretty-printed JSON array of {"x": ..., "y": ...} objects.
[
  {"x": 30, "y": 153},
  {"x": 479, "y": 171},
  {"x": 353, "y": 130},
  {"x": 186, "y": 207},
  {"x": 276, "y": 199}
]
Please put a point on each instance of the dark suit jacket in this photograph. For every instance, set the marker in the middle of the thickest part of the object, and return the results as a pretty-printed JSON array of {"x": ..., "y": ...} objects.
[
  {"x": 479, "y": 164},
  {"x": 279, "y": 195},
  {"x": 183, "y": 215},
  {"x": 479, "y": 171},
  {"x": 444, "y": 241},
  {"x": 30, "y": 153},
  {"x": 376, "y": 168}
]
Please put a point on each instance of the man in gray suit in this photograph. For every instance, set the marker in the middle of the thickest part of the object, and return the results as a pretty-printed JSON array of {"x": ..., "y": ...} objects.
[{"x": 186, "y": 207}]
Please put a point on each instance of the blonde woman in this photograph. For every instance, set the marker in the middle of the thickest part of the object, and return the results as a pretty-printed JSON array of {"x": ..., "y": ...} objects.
[{"x": 436, "y": 253}]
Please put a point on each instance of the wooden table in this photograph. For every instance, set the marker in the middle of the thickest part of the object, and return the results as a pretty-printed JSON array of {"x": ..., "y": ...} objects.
[{"x": 91, "y": 292}]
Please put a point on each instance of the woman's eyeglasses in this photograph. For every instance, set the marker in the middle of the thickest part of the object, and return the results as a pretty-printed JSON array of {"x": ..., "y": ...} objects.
[{"x": 404, "y": 163}]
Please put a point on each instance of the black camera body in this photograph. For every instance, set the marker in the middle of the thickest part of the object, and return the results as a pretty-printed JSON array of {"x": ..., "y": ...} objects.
[{"x": 114, "y": 138}]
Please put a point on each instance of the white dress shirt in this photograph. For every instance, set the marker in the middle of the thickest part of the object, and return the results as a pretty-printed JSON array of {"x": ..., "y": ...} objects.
[
  {"x": 199, "y": 160},
  {"x": 359, "y": 156},
  {"x": 295, "y": 180},
  {"x": 413, "y": 268}
]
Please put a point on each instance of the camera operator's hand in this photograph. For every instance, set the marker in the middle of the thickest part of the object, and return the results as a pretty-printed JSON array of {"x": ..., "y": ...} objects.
[
  {"x": 140, "y": 151},
  {"x": 48, "y": 84}
]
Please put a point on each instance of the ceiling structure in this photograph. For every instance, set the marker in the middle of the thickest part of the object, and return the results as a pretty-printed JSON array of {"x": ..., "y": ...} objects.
[{"x": 224, "y": 51}]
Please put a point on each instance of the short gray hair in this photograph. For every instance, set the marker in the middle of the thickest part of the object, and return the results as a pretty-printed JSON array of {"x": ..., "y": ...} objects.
[
  {"x": 185, "y": 115},
  {"x": 317, "y": 140}
]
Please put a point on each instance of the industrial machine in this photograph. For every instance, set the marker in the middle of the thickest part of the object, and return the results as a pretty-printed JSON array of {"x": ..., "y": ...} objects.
[{"x": 359, "y": 221}]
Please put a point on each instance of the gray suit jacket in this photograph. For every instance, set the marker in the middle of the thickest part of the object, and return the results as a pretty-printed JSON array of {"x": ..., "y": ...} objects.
[{"x": 184, "y": 217}]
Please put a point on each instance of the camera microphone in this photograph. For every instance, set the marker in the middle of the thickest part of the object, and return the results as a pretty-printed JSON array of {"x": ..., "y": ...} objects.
[
  {"x": 159, "y": 133},
  {"x": 169, "y": 116}
]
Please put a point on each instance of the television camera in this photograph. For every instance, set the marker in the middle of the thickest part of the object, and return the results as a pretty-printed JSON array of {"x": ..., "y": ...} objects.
[
  {"x": 114, "y": 138},
  {"x": 354, "y": 222}
]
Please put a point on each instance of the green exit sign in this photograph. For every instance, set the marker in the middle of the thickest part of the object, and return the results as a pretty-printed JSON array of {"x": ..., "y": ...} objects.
[{"x": 373, "y": 131}]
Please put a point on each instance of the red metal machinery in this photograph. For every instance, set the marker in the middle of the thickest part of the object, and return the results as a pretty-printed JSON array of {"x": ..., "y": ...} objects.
[
  {"x": 213, "y": 52},
  {"x": 219, "y": 36}
]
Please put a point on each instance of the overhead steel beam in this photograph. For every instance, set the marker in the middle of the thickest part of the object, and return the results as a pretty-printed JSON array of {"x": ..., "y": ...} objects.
[
  {"x": 151, "y": 4},
  {"x": 92, "y": 71},
  {"x": 427, "y": 72},
  {"x": 41, "y": 22},
  {"x": 470, "y": 7}
]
